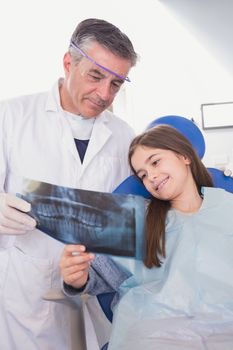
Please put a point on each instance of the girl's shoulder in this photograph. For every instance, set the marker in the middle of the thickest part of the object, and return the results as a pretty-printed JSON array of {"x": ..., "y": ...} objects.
[{"x": 215, "y": 194}]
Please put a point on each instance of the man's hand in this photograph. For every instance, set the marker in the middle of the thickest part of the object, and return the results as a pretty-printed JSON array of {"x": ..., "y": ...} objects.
[
  {"x": 74, "y": 265},
  {"x": 13, "y": 221}
]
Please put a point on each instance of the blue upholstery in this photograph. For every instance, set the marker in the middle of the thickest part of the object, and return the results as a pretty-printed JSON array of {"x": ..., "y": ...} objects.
[
  {"x": 105, "y": 347},
  {"x": 105, "y": 300},
  {"x": 220, "y": 180},
  {"x": 132, "y": 185}
]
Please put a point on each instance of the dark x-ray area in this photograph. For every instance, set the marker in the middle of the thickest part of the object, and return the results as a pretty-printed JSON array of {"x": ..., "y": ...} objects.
[{"x": 104, "y": 222}]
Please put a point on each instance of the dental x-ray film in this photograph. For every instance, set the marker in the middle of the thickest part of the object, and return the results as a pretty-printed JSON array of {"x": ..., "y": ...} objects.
[{"x": 105, "y": 223}]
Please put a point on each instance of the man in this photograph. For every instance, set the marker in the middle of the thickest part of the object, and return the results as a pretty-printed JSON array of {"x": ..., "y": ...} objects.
[{"x": 68, "y": 138}]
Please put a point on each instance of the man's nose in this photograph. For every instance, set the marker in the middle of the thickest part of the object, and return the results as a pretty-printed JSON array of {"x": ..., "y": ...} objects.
[{"x": 104, "y": 90}]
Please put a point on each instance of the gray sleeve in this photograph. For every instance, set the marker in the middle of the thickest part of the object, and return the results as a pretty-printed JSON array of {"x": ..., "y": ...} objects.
[{"x": 104, "y": 276}]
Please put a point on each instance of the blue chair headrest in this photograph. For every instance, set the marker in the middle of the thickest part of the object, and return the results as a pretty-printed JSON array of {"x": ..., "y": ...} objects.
[
  {"x": 132, "y": 185},
  {"x": 187, "y": 128},
  {"x": 220, "y": 180}
]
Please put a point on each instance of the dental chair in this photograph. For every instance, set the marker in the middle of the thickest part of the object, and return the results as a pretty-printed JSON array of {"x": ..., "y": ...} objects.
[
  {"x": 186, "y": 127},
  {"x": 132, "y": 185},
  {"x": 221, "y": 180}
]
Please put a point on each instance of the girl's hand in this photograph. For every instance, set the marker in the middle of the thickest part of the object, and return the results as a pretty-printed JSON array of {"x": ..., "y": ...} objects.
[{"x": 74, "y": 265}]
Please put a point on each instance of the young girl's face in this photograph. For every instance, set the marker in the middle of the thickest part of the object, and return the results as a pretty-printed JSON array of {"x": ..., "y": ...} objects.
[{"x": 165, "y": 174}]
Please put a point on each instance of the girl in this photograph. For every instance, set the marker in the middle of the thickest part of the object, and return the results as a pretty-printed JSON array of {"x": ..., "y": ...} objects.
[{"x": 182, "y": 297}]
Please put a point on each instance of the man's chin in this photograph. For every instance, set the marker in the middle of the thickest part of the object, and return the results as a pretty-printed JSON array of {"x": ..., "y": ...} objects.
[{"x": 92, "y": 113}]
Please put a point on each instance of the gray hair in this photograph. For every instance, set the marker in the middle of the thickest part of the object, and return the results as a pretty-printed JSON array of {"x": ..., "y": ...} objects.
[{"x": 106, "y": 34}]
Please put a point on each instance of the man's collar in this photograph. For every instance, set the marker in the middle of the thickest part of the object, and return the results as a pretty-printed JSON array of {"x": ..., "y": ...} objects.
[{"x": 53, "y": 101}]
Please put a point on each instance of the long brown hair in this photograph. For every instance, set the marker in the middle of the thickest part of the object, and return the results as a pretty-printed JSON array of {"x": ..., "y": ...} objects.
[{"x": 167, "y": 138}]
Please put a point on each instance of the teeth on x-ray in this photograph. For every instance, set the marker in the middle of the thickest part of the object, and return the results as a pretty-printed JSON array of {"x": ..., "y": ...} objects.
[
  {"x": 66, "y": 216},
  {"x": 66, "y": 210}
]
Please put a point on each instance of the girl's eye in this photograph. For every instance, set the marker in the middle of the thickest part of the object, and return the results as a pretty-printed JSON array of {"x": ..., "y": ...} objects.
[{"x": 155, "y": 162}]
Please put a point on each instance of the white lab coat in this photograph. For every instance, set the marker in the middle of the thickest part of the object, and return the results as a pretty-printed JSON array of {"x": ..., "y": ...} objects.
[{"x": 36, "y": 142}]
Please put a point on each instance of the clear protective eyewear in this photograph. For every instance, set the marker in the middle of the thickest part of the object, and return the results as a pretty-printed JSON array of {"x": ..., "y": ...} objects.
[{"x": 74, "y": 46}]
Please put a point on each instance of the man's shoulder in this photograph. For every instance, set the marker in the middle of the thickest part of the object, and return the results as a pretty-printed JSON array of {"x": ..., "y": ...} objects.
[
  {"x": 117, "y": 124},
  {"x": 24, "y": 99},
  {"x": 23, "y": 105}
]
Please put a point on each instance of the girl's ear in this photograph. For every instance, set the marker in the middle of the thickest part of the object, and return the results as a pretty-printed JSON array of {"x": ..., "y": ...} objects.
[
  {"x": 187, "y": 161},
  {"x": 184, "y": 158}
]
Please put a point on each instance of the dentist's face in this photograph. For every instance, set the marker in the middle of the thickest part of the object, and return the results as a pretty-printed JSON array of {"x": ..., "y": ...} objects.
[
  {"x": 88, "y": 89},
  {"x": 165, "y": 174}
]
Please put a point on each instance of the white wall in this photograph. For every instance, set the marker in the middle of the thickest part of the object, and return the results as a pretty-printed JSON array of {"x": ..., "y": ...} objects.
[
  {"x": 210, "y": 23},
  {"x": 175, "y": 75}
]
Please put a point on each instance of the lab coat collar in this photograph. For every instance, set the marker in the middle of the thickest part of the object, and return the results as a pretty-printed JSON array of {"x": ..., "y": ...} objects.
[
  {"x": 99, "y": 137},
  {"x": 53, "y": 101}
]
